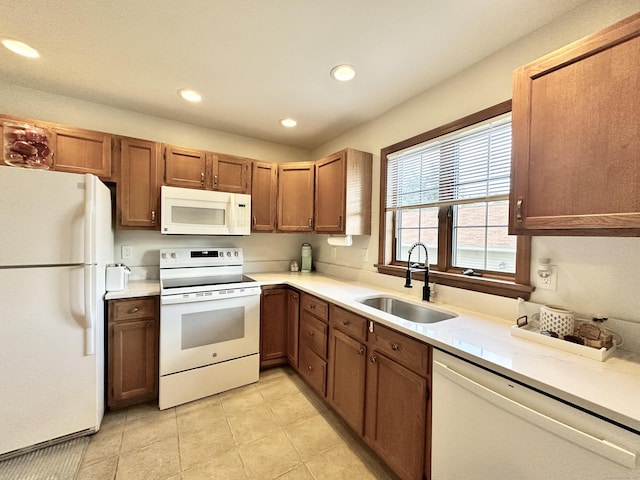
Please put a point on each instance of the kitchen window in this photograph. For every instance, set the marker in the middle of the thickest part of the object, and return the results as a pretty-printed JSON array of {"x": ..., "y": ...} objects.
[{"x": 448, "y": 188}]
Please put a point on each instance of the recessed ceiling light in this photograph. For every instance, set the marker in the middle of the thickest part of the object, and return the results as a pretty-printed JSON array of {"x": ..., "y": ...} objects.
[
  {"x": 343, "y": 73},
  {"x": 288, "y": 122},
  {"x": 190, "y": 95},
  {"x": 20, "y": 48}
]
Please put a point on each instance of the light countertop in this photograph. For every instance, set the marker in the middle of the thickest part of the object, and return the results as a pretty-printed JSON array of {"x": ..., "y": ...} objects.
[
  {"x": 136, "y": 288},
  {"x": 610, "y": 388}
]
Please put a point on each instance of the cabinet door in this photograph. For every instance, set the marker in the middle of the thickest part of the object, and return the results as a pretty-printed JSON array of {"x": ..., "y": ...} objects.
[
  {"x": 346, "y": 378},
  {"x": 82, "y": 151},
  {"x": 295, "y": 197},
  {"x": 575, "y": 155},
  {"x": 293, "y": 326},
  {"x": 330, "y": 194},
  {"x": 395, "y": 419},
  {"x": 138, "y": 184},
  {"x": 273, "y": 326},
  {"x": 230, "y": 174},
  {"x": 133, "y": 364},
  {"x": 264, "y": 188},
  {"x": 184, "y": 167}
]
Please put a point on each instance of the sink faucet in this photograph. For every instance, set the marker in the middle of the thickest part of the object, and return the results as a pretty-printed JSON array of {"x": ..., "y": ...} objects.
[{"x": 426, "y": 291}]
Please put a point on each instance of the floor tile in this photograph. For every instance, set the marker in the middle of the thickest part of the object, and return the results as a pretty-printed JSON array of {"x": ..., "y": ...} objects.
[
  {"x": 146, "y": 430},
  {"x": 299, "y": 473},
  {"x": 203, "y": 417},
  {"x": 102, "y": 445},
  {"x": 313, "y": 436},
  {"x": 102, "y": 470},
  {"x": 292, "y": 408},
  {"x": 156, "y": 461},
  {"x": 339, "y": 462},
  {"x": 227, "y": 466},
  {"x": 147, "y": 409},
  {"x": 253, "y": 424},
  {"x": 274, "y": 387},
  {"x": 240, "y": 400},
  {"x": 269, "y": 457},
  {"x": 202, "y": 446}
]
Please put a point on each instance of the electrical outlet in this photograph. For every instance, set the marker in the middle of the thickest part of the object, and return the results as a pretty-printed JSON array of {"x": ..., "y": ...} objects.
[
  {"x": 548, "y": 277},
  {"x": 126, "y": 252}
]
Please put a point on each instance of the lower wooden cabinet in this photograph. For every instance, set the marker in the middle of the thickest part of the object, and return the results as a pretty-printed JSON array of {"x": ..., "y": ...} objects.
[
  {"x": 273, "y": 326},
  {"x": 293, "y": 326},
  {"x": 346, "y": 382},
  {"x": 395, "y": 419},
  {"x": 132, "y": 351}
]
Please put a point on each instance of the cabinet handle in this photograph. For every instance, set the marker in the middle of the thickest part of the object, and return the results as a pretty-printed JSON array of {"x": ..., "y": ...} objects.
[
  {"x": 340, "y": 222},
  {"x": 202, "y": 178},
  {"x": 215, "y": 180},
  {"x": 153, "y": 217},
  {"x": 519, "y": 209},
  {"x": 134, "y": 310},
  {"x": 395, "y": 347},
  {"x": 360, "y": 351},
  {"x": 310, "y": 222},
  {"x": 254, "y": 221},
  {"x": 345, "y": 322},
  {"x": 373, "y": 359}
]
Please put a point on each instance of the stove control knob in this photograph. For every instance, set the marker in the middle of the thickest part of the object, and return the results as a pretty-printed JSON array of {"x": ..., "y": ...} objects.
[
  {"x": 164, "y": 255},
  {"x": 228, "y": 254},
  {"x": 235, "y": 254},
  {"x": 173, "y": 255}
]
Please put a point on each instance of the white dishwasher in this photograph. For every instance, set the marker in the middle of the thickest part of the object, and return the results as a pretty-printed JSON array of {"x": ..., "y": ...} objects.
[{"x": 485, "y": 426}]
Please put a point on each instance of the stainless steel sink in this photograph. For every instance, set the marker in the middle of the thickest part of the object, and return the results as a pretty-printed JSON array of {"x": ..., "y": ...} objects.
[{"x": 406, "y": 310}]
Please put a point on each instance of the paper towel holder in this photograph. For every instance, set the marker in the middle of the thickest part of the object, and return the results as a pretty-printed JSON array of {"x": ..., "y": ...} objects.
[{"x": 340, "y": 240}]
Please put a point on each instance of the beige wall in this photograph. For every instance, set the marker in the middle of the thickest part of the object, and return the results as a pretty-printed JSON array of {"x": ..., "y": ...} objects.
[{"x": 595, "y": 275}]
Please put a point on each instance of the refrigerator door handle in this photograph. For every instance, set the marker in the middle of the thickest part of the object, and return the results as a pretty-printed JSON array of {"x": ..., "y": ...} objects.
[
  {"x": 90, "y": 220},
  {"x": 89, "y": 310}
]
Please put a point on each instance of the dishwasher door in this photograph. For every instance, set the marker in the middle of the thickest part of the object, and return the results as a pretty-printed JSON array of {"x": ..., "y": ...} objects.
[{"x": 487, "y": 427}]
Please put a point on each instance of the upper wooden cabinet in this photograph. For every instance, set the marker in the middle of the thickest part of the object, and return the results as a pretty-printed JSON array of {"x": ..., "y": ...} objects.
[
  {"x": 576, "y": 143},
  {"x": 343, "y": 193},
  {"x": 295, "y": 197},
  {"x": 184, "y": 167},
  {"x": 189, "y": 168},
  {"x": 230, "y": 173},
  {"x": 138, "y": 186},
  {"x": 264, "y": 189},
  {"x": 81, "y": 151}
]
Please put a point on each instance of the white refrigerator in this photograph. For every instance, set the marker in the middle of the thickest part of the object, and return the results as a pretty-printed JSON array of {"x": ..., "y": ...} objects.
[{"x": 56, "y": 238}]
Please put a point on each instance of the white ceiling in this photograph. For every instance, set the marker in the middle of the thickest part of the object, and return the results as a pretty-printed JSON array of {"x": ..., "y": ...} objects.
[{"x": 257, "y": 61}]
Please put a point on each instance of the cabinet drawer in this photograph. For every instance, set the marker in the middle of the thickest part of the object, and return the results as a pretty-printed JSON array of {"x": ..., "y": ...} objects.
[
  {"x": 314, "y": 305},
  {"x": 313, "y": 369},
  {"x": 132, "y": 308},
  {"x": 313, "y": 334},
  {"x": 348, "y": 322},
  {"x": 406, "y": 351}
]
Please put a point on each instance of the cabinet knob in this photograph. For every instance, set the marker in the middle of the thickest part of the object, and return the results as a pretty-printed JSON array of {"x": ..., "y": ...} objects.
[
  {"x": 295, "y": 297},
  {"x": 345, "y": 322},
  {"x": 153, "y": 217},
  {"x": 373, "y": 359},
  {"x": 360, "y": 351},
  {"x": 312, "y": 306},
  {"x": 310, "y": 368},
  {"x": 215, "y": 180},
  {"x": 134, "y": 310},
  {"x": 202, "y": 178},
  {"x": 254, "y": 221},
  {"x": 311, "y": 333},
  {"x": 395, "y": 346},
  {"x": 340, "y": 222},
  {"x": 149, "y": 324}
]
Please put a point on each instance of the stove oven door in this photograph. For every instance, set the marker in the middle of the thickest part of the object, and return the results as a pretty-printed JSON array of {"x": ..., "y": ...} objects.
[{"x": 200, "y": 333}]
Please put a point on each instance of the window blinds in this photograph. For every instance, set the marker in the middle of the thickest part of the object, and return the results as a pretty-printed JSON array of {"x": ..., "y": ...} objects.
[{"x": 463, "y": 167}]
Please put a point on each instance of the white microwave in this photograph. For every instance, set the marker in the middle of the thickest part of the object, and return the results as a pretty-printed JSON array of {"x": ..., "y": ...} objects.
[{"x": 187, "y": 211}]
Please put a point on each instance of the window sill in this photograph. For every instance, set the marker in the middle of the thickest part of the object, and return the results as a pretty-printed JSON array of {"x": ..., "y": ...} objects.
[{"x": 493, "y": 286}]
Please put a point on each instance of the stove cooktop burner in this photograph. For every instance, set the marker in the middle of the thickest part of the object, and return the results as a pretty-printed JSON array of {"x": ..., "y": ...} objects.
[{"x": 213, "y": 281}]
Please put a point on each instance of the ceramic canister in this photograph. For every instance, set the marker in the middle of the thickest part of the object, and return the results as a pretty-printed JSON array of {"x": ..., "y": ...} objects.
[{"x": 556, "y": 319}]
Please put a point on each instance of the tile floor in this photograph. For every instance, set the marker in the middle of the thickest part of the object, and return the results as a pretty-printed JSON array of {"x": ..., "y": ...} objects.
[{"x": 276, "y": 428}]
